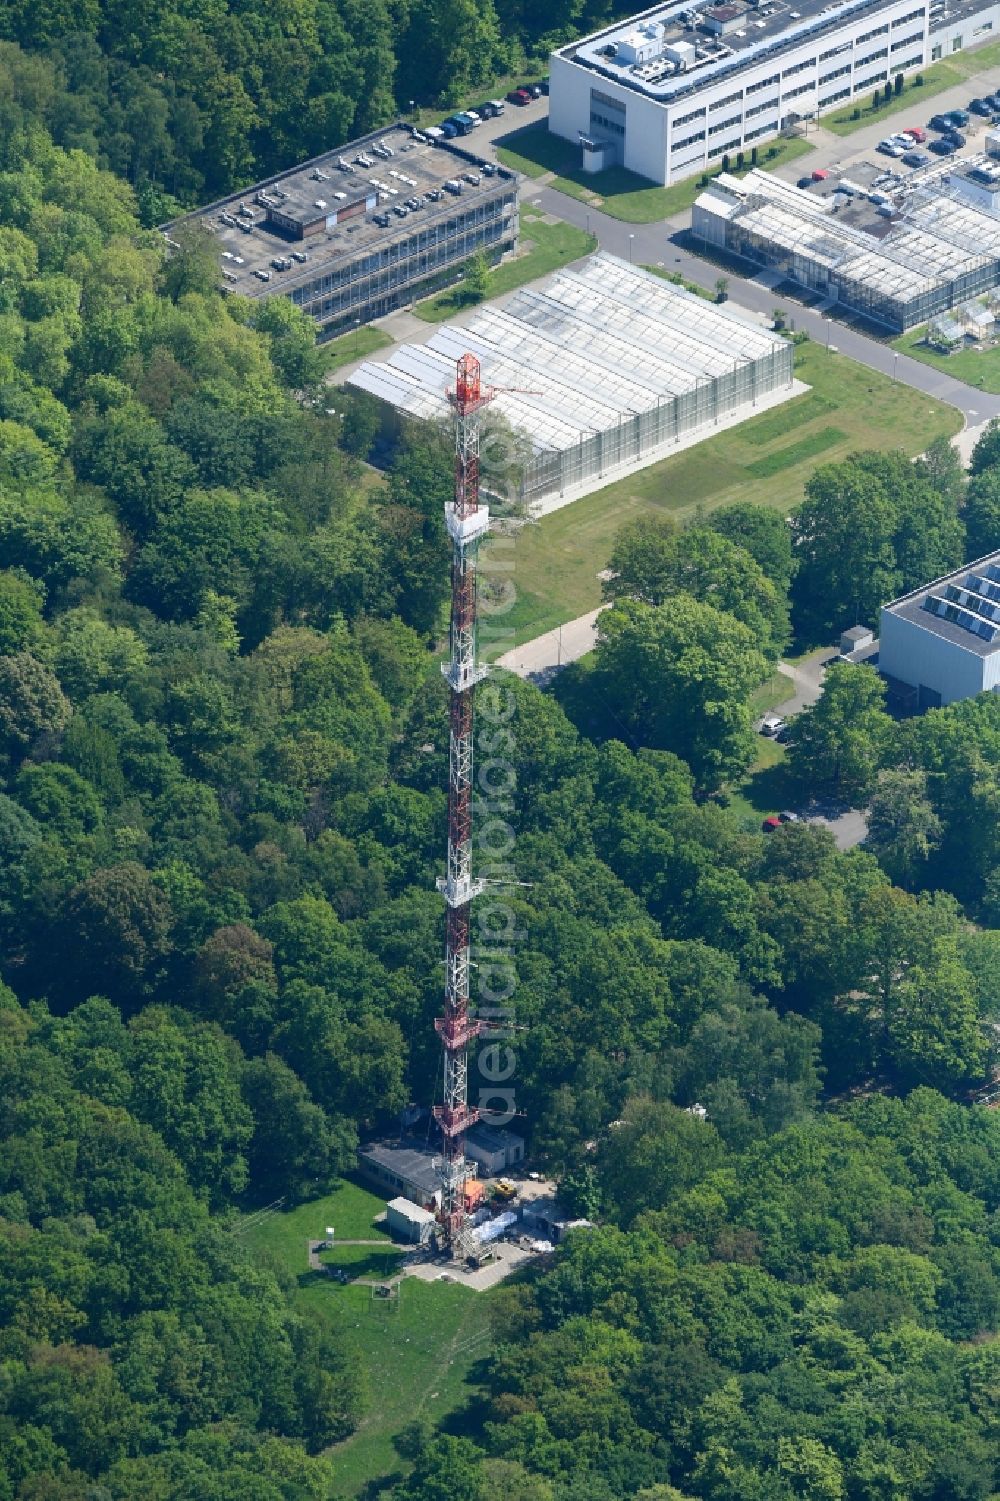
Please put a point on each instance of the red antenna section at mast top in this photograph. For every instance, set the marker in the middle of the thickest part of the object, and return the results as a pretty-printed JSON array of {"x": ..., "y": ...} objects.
[{"x": 468, "y": 391}]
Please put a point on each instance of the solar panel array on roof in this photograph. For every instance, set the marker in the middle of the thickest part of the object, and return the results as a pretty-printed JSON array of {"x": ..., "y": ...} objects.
[{"x": 611, "y": 364}]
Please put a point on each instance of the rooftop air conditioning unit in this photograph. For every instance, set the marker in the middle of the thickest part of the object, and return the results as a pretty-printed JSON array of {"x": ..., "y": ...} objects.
[{"x": 321, "y": 203}]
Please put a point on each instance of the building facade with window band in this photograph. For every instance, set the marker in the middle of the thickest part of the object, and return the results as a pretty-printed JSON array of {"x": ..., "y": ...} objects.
[
  {"x": 364, "y": 228},
  {"x": 679, "y": 86}
]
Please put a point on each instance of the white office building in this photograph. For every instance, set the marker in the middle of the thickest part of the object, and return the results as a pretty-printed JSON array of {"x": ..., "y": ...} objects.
[
  {"x": 941, "y": 643},
  {"x": 679, "y": 86}
]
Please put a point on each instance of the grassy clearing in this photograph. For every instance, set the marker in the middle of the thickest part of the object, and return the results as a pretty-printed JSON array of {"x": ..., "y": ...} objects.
[
  {"x": 354, "y": 346},
  {"x": 618, "y": 192},
  {"x": 785, "y": 458},
  {"x": 977, "y": 368},
  {"x": 557, "y": 561},
  {"x": 770, "y": 694},
  {"x": 366, "y": 1261},
  {"x": 765, "y": 429},
  {"x": 350, "y": 1209},
  {"x": 422, "y": 1354},
  {"x": 548, "y": 246},
  {"x": 766, "y": 788},
  {"x": 937, "y": 77}
]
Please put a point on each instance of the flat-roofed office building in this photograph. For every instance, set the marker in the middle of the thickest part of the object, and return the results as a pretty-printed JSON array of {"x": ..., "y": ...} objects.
[
  {"x": 678, "y": 86},
  {"x": 364, "y": 228}
]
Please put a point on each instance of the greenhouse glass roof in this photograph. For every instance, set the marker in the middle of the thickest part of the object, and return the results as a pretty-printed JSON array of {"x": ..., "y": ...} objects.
[{"x": 589, "y": 348}]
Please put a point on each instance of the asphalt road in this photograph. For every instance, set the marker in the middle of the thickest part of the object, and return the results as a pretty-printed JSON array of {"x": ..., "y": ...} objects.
[{"x": 648, "y": 244}]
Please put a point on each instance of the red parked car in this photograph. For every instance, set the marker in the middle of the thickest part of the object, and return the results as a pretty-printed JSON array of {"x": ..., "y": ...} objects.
[
  {"x": 771, "y": 823},
  {"x": 918, "y": 133},
  {"x": 519, "y": 96}
]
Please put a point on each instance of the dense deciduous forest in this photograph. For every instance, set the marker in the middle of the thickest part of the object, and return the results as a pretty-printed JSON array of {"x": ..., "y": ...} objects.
[
  {"x": 223, "y": 735},
  {"x": 187, "y": 102}
]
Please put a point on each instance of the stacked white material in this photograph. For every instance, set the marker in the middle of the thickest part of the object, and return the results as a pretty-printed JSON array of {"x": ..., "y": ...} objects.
[{"x": 493, "y": 1229}]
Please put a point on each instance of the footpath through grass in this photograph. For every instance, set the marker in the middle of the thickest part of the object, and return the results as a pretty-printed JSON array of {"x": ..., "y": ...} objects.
[
  {"x": 556, "y": 562},
  {"x": 536, "y": 152},
  {"x": 545, "y": 247},
  {"x": 421, "y": 1353},
  {"x": 979, "y": 368}
]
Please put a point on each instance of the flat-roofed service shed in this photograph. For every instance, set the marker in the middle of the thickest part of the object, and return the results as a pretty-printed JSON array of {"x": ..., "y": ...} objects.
[
  {"x": 603, "y": 368},
  {"x": 365, "y": 228}
]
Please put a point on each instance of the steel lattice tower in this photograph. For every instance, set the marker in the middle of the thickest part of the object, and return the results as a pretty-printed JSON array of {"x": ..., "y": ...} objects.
[{"x": 467, "y": 522}]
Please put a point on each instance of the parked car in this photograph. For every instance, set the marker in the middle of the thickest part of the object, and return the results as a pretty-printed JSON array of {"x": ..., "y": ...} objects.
[
  {"x": 979, "y": 107},
  {"x": 485, "y": 111},
  {"x": 955, "y": 137},
  {"x": 939, "y": 122},
  {"x": 890, "y": 147},
  {"x": 804, "y": 182},
  {"x": 544, "y": 85},
  {"x": 771, "y": 724},
  {"x": 916, "y": 158},
  {"x": 941, "y": 147},
  {"x": 448, "y": 130},
  {"x": 957, "y": 117},
  {"x": 787, "y": 816},
  {"x": 771, "y": 823},
  {"x": 534, "y": 89},
  {"x": 519, "y": 96},
  {"x": 916, "y": 133},
  {"x": 820, "y": 174}
]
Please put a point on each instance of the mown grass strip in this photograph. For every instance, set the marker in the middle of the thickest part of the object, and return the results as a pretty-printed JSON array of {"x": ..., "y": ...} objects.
[{"x": 806, "y": 448}]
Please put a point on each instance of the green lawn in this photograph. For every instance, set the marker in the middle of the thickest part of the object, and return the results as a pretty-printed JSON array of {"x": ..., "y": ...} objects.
[
  {"x": 354, "y": 346},
  {"x": 937, "y": 77},
  {"x": 557, "y": 561},
  {"x": 618, "y": 192},
  {"x": 766, "y": 788},
  {"x": 770, "y": 694},
  {"x": 366, "y": 1261},
  {"x": 350, "y": 1209},
  {"x": 545, "y": 247},
  {"x": 974, "y": 60},
  {"x": 421, "y": 1353},
  {"x": 980, "y": 369},
  {"x": 679, "y": 281}
]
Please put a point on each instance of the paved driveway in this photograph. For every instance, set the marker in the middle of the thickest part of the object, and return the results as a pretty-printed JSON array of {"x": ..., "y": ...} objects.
[{"x": 806, "y": 678}]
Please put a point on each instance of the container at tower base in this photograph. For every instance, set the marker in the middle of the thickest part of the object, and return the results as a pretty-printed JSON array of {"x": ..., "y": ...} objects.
[{"x": 408, "y": 1221}]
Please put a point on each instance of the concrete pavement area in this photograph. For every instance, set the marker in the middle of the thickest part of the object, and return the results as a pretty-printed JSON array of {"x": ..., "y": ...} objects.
[{"x": 807, "y": 680}]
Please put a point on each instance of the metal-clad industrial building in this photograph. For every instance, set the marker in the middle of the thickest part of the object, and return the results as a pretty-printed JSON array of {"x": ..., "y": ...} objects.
[
  {"x": 935, "y": 253},
  {"x": 942, "y": 641},
  {"x": 623, "y": 367},
  {"x": 365, "y": 228}
]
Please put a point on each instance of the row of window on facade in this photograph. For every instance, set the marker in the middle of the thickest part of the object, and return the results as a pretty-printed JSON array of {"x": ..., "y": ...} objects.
[{"x": 320, "y": 303}]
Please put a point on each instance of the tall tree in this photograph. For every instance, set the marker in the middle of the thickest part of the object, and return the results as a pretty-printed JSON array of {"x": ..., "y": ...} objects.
[{"x": 680, "y": 676}]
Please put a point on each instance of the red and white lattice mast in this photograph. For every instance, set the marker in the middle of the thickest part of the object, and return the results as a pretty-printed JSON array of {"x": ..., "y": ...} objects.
[{"x": 467, "y": 522}]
